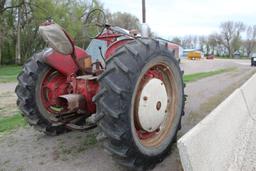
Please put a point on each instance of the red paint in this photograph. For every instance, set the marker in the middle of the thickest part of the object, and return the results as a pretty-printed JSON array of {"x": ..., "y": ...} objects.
[
  {"x": 152, "y": 73},
  {"x": 174, "y": 47},
  {"x": 114, "y": 46},
  {"x": 65, "y": 63},
  {"x": 145, "y": 135},
  {"x": 53, "y": 85},
  {"x": 109, "y": 37},
  {"x": 66, "y": 70},
  {"x": 88, "y": 88}
]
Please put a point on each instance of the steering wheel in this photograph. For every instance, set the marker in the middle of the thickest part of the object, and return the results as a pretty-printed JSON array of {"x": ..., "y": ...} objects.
[{"x": 95, "y": 23}]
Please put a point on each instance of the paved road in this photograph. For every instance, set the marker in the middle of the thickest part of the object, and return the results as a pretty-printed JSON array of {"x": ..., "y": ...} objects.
[{"x": 26, "y": 149}]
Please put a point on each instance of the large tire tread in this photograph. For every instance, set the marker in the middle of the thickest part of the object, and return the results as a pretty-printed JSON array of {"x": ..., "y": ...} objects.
[
  {"x": 112, "y": 98},
  {"x": 25, "y": 91}
]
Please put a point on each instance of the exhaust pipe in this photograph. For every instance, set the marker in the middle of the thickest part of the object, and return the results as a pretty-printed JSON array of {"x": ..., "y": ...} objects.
[{"x": 74, "y": 102}]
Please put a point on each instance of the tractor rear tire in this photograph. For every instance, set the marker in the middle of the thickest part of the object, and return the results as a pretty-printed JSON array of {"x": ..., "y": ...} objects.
[
  {"x": 28, "y": 95},
  {"x": 116, "y": 98}
]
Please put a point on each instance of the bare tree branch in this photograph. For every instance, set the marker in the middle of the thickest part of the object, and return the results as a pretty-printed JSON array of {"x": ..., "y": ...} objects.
[{"x": 3, "y": 9}]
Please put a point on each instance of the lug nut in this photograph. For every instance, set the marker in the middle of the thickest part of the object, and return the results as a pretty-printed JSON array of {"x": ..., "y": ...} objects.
[{"x": 145, "y": 98}]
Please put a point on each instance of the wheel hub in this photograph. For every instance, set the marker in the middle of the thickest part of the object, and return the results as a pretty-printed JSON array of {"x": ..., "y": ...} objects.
[{"x": 152, "y": 107}]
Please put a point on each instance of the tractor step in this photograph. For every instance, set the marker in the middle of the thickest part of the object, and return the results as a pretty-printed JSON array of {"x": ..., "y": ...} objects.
[{"x": 87, "y": 77}]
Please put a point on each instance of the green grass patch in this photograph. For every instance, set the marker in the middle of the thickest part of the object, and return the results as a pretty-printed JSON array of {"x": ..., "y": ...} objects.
[
  {"x": 8, "y": 73},
  {"x": 9, "y": 123},
  {"x": 201, "y": 75},
  {"x": 227, "y": 57}
]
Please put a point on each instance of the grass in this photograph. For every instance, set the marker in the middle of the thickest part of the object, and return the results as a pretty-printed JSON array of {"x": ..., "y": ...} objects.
[
  {"x": 88, "y": 142},
  {"x": 8, "y": 123},
  {"x": 201, "y": 75},
  {"x": 9, "y": 73},
  {"x": 227, "y": 57},
  {"x": 66, "y": 150}
]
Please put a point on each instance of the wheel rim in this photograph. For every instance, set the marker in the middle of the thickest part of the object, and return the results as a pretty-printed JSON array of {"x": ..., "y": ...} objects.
[
  {"x": 52, "y": 86},
  {"x": 155, "y": 105}
]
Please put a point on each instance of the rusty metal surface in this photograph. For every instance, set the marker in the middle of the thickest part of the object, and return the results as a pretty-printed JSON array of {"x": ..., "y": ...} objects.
[
  {"x": 73, "y": 101},
  {"x": 85, "y": 64}
]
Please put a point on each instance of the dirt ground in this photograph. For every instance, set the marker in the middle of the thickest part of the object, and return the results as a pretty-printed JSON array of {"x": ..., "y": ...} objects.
[
  {"x": 7, "y": 99},
  {"x": 27, "y": 149}
]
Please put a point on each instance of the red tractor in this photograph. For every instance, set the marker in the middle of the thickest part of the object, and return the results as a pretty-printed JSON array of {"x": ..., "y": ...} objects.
[{"x": 128, "y": 85}]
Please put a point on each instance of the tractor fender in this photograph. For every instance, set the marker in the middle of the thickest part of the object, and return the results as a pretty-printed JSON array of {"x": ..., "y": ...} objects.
[
  {"x": 114, "y": 46},
  {"x": 63, "y": 63}
]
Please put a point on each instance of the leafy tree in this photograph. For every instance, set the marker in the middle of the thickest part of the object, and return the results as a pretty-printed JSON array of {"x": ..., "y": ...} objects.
[
  {"x": 20, "y": 21},
  {"x": 124, "y": 20}
]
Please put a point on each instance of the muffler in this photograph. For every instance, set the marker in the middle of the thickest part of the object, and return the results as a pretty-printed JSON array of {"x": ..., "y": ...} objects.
[{"x": 74, "y": 102}]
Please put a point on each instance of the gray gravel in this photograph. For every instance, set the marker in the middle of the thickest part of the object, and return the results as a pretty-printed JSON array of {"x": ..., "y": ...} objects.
[
  {"x": 249, "y": 162},
  {"x": 7, "y": 87}
]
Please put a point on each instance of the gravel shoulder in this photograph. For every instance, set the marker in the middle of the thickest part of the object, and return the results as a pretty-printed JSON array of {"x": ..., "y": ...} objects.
[{"x": 27, "y": 149}]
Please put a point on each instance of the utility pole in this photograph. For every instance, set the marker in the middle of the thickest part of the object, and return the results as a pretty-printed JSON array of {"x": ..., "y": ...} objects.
[
  {"x": 144, "y": 27},
  {"x": 143, "y": 11}
]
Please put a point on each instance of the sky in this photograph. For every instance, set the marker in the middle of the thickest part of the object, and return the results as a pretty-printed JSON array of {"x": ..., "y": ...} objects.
[{"x": 171, "y": 18}]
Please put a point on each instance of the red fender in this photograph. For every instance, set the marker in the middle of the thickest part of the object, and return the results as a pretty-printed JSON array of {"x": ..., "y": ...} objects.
[
  {"x": 114, "y": 46},
  {"x": 64, "y": 63}
]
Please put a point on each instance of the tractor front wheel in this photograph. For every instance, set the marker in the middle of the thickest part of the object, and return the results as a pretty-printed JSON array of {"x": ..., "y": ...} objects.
[{"x": 141, "y": 101}]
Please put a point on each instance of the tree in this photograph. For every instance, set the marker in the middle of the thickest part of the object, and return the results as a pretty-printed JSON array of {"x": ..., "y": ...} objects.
[
  {"x": 194, "y": 41},
  {"x": 213, "y": 42},
  {"x": 202, "y": 42},
  {"x": 176, "y": 40},
  {"x": 20, "y": 6},
  {"x": 250, "y": 42},
  {"x": 1, "y": 39},
  {"x": 4, "y": 7},
  {"x": 186, "y": 42},
  {"x": 18, "y": 29},
  {"x": 227, "y": 32},
  {"x": 237, "y": 40},
  {"x": 19, "y": 23},
  {"x": 124, "y": 20},
  {"x": 7, "y": 39},
  {"x": 231, "y": 35}
]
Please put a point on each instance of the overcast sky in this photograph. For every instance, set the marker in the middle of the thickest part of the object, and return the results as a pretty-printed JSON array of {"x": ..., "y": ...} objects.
[{"x": 169, "y": 18}]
